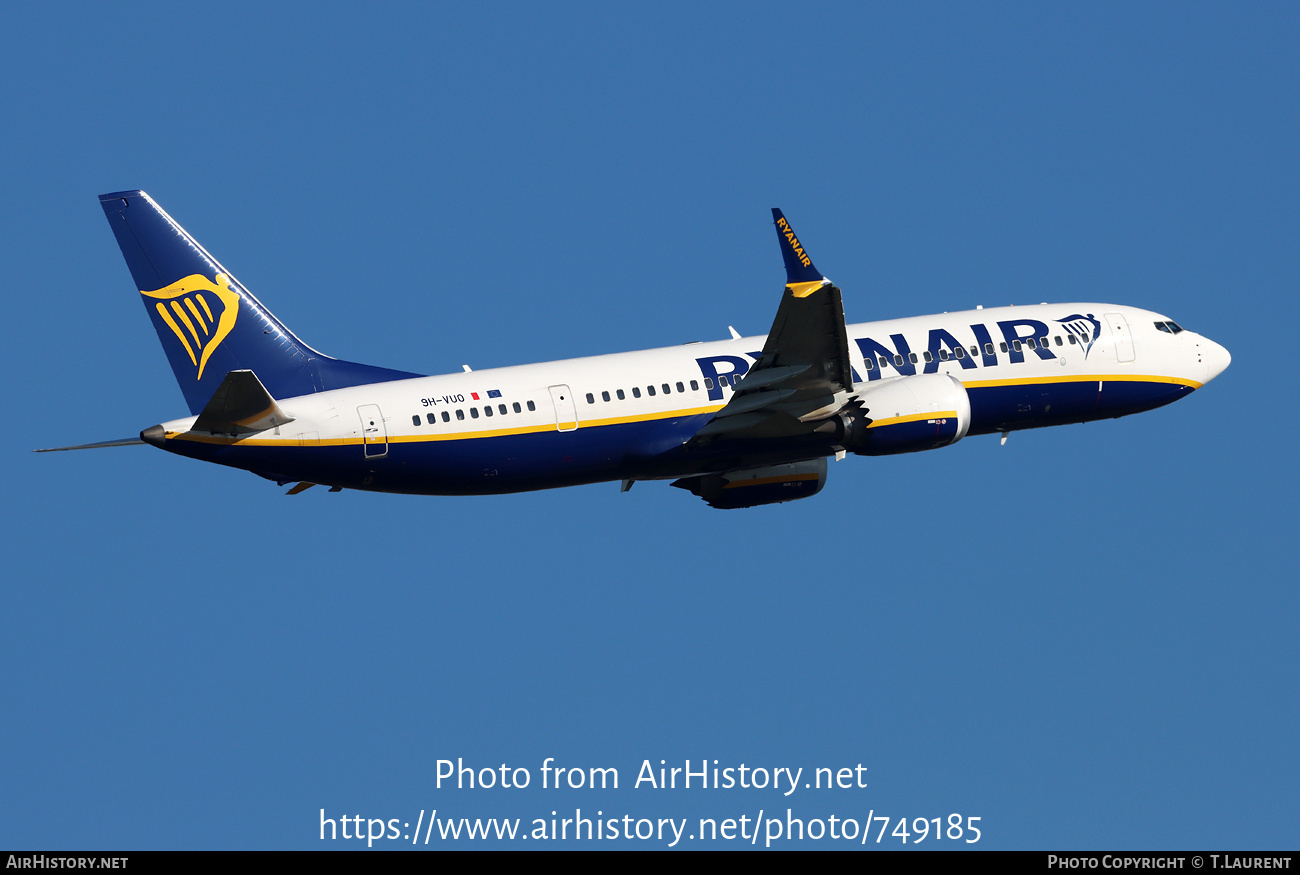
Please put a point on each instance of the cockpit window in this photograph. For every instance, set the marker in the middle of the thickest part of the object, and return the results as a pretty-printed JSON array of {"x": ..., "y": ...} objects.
[
  {"x": 1174, "y": 327},
  {"x": 1160, "y": 326}
]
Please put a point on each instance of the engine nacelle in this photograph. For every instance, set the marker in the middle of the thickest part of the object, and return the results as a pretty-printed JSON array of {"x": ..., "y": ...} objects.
[
  {"x": 906, "y": 415},
  {"x": 771, "y": 484}
]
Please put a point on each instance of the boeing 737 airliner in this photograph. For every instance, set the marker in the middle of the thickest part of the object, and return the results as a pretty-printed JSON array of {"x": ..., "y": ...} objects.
[{"x": 739, "y": 422}]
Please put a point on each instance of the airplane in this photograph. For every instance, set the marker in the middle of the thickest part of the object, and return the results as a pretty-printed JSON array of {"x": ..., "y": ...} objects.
[{"x": 740, "y": 422}]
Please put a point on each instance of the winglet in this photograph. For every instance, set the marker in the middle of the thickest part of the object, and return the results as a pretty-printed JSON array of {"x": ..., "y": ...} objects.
[{"x": 801, "y": 278}]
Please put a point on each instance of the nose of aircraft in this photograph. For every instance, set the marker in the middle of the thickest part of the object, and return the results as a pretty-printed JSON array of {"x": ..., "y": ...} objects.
[{"x": 1215, "y": 357}]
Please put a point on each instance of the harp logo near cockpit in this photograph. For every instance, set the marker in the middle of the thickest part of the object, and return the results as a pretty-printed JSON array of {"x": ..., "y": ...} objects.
[
  {"x": 1086, "y": 328},
  {"x": 199, "y": 312}
]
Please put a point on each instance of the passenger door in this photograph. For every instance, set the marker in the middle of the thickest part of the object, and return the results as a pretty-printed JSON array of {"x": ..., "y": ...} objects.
[
  {"x": 566, "y": 412},
  {"x": 373, "y": 434},
  {"x": 1121, "y": 336}
]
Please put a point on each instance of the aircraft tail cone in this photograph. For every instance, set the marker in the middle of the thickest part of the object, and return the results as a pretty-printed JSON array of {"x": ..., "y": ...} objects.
[{"x": 153, "y": 435}]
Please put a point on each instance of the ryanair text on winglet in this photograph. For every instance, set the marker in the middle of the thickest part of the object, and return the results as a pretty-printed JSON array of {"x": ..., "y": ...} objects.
[{"x": 794, "y": 242}]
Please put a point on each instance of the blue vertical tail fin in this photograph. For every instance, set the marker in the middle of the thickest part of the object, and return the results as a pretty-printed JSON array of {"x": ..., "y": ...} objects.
[{"x": 208, "y": 323}]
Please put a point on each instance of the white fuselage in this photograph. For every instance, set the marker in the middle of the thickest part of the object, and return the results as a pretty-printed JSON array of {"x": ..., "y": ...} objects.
[{"x": 606, "y": 415}]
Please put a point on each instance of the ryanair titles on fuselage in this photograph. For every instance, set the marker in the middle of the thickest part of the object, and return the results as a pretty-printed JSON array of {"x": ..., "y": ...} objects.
[{"x": 941, "y": 347}]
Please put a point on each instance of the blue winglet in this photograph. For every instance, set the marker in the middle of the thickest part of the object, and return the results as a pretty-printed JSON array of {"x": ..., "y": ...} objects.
[{"x": 801, "y": 278}]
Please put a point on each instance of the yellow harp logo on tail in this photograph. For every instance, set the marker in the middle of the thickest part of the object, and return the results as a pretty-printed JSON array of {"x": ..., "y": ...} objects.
[{"x": 199, "y": 312}]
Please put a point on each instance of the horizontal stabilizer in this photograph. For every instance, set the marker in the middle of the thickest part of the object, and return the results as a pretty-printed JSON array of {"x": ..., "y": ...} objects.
[
  {"x": 240, "y": 405},
  {"x": 125, "y": 442}
]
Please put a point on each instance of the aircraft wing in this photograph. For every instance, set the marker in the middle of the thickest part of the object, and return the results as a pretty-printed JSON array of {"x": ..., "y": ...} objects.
[{"x": 804, "y": 372}]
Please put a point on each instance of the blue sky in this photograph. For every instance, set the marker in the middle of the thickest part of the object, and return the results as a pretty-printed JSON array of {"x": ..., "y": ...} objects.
[{"x": 1086, "y": 637}]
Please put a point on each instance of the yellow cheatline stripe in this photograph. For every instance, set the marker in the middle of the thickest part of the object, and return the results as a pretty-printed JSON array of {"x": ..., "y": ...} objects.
[
  {"x": 188, "y": 324},
  {"x": 464, "y": 435},
  {"x": 622, "y": 420},
  {"x": 206, "y": 308},
  {"x": 763, "y": 481},
  {"x": 530, "y": 429},
  {"x": 649, "y": 417},
  {"x": 189, "y": 302},
  {"x": 176, "y": 329},
  {"x": 448, "y": 436},
  {"x": 915, "y": 417},
  {"x": 1085, "y": 378},
  {"x": 803, "y": 290}
]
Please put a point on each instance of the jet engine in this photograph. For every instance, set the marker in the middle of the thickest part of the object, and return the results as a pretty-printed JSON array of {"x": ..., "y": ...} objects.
[
  {"x": 750, "y": 487},
  {"x": 906, "y": 415}
]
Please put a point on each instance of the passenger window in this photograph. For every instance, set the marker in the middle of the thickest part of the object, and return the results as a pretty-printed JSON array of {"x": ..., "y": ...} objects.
[
  {"x": 532, "y": 406},
  {"x": 929, "y": 356},
  {"x": 898, "y": 361},
  {"x": 1073, "y": 339},
  {"x": 988, "y": 349},
  {"x": 695, "y": 387},
  {"x": 1030, "y": 343},
  {"x": 667, "y": 390},
  {"x": 432, "y": 417},
  {"x": 446, "y": 417},
  {"x": 1003, "y": 344},
  {"x": 487, "y": 410},
  {"x": 884, "y": 362},
  {"x": 636, "y": 392},
  {"x": 943, "y": 355},
  {"x": 516, "y": 407},
  {"x": 460, "y": 414},
  {"x": 974, "y": 351},
  {"x": 473, "y": 413},
  {"x": 959, "y": 352},
  {"x": 591, "y": 399},
  {"x": 871, "y": 363},
  {"x": 708, "y": 382},
  {"x": 415, "y": 420},
  {"x": 651, "y": 390},
  {"x": 912, "y": 357},
  {"x": 1058, "y": 340},
  {"x": 680, "y": 387},
  {"x": 621, "y": 396},
  {"x": 1015, "y": 344},
  {"x": 604, "y": 396},
  {"x": 502, "y": 409}
]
